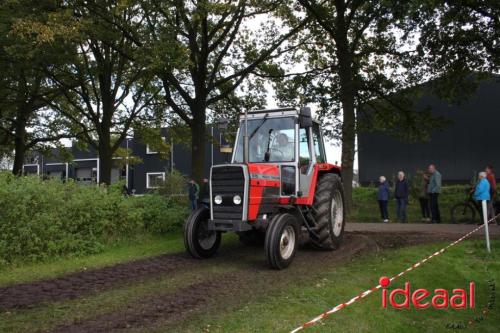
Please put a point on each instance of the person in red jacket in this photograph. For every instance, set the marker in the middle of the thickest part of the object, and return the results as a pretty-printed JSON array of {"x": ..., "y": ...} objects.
[{"x": 490, "y": 176}]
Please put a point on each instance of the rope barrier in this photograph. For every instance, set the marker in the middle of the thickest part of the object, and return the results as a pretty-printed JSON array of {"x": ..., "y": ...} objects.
[{"x": 372, "y": 290}]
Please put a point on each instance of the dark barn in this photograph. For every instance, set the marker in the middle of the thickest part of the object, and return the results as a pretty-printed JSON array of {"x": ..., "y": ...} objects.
[{"x": 462, "y": 149}]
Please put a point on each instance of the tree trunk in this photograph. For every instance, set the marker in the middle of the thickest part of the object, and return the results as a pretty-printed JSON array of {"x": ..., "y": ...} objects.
[
  {"x": 347, "y": 98},
  {"x": 348, "y": 147},
  {"x": 19, "y": 145},
  {"x": 198, "y": 138},
  {"x": 105, "y": 159}
]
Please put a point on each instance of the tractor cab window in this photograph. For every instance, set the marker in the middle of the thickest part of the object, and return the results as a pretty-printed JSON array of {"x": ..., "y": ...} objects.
[
  {"x": 269, "y": 140},
  {"x": 304, "y": 152},
  {"x": 319, "y": 149}
]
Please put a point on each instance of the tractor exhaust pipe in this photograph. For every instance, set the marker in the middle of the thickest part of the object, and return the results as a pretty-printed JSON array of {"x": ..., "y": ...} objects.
[{"x": 245, "y": 140}]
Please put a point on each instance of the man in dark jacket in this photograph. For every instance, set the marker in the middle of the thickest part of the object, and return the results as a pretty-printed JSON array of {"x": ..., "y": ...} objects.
[
  {"x": 204, "y": 196},
  {"x": 434, "y": 188},
  {"x": 401, "y": 193},
  {"x": 193, "y": 194}
]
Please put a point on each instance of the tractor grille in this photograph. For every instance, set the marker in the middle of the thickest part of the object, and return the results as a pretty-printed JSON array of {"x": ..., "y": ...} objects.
[{"x": 228, "y": 181}]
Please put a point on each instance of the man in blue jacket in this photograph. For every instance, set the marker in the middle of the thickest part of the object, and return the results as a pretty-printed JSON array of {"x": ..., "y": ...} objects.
[
  {"x": 401, "y": 192},
  {"x": 434, "y": 188}
]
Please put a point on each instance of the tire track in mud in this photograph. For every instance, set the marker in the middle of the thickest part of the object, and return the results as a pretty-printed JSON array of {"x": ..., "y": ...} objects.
[
  {"x": 78, "y": 284},
  {"x": 174, "y": 307}
]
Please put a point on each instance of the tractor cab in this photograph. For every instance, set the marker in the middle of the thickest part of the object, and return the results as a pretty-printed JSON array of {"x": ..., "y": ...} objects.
[
  {"x": 277, "y": 169},
  {"x": 287, "y": 138}
]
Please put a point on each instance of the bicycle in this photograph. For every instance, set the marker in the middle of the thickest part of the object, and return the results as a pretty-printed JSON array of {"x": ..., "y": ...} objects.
[{"x": 466, "y": 212}]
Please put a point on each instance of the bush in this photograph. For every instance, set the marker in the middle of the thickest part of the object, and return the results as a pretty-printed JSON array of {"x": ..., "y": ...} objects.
[
  {"x": 175, "y": 184},
  {"x": 159, "y": 214},
  {"x": 41, "y": 219}
]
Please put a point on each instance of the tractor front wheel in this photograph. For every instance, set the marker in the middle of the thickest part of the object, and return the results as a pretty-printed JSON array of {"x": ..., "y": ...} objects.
[
  {"x": 198, "y": 240},
  {"x": 282, "y": 239}
]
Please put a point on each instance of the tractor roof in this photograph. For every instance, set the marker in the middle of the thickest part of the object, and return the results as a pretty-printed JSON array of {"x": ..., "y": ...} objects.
[{"x": 277, "y": 112}]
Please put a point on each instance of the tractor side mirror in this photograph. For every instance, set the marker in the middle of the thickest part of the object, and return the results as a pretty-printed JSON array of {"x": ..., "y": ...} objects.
[{"x": 305, "y": 118}]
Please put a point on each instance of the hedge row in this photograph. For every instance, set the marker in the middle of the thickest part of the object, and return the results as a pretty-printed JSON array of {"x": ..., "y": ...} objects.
[{"x": 41, "y": 219}]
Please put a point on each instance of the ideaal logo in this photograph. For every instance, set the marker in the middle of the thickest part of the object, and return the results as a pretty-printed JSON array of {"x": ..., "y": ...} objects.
[{"x": 422, "y": 298}]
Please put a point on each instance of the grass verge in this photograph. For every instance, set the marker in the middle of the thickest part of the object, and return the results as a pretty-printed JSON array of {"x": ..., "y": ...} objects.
[
  {"x": 141, "y": 247},
  {"x": 283, "y": 310}
]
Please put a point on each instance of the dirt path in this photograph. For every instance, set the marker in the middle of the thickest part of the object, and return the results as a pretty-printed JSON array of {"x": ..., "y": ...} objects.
[
  {"x": 448, "y": 229},
  {"x": 174, "y": 306},
  {"x": 236, "y": 286},
  {"x": 83, "y": 283}
]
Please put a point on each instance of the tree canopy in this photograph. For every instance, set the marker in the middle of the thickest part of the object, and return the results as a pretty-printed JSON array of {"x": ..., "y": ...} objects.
[{"x": 97, "y": 70}]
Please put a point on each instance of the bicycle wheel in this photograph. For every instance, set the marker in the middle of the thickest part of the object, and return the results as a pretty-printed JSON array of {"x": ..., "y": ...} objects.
[{"x": 463, "y": 213}]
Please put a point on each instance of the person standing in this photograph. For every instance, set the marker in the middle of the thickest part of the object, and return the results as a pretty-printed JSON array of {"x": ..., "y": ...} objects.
[
  {"x": 434, "y": 188},
  {"x": 401, "y": 192},
  {"x": 204, "y": 196},
  {"x": 482, "y": 190},
  {"x": 423, "y": 198},
  {"x": 490, "y": 176},
  {"x": 383, "y": 198},
  {"x": 193, "y": 194}
]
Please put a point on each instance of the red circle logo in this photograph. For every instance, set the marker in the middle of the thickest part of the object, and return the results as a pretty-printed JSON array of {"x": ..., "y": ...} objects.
[{"x": 384, "y": 281}]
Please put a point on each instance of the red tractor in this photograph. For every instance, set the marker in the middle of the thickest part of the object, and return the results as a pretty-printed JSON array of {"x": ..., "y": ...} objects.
[{"x": 277, "y": 185}]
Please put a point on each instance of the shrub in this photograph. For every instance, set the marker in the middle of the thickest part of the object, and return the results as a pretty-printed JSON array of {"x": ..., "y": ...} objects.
[
  {"x": 159, "y": 214},
  {"x": 40, "y": 219},
  {"x": 175, "y": 183}
]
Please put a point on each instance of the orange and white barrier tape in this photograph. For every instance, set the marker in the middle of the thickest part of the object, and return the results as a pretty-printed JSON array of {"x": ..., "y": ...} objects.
[{"x": 369, "y": 291}]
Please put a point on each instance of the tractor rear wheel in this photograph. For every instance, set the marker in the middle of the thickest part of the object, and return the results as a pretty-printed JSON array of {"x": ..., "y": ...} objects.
[
  {"x": 198, "y": 240},
  {"x": 282, "y": 239},
  {"x": 328, "y": 212}
]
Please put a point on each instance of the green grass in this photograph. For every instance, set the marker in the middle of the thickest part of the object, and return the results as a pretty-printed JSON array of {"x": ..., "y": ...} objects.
[
  {"x": 272, "y": 309},
  {"x": 365, "y": 205},
  {"x": 141, "y": 247},
  {"x": 283, "y": 310}
]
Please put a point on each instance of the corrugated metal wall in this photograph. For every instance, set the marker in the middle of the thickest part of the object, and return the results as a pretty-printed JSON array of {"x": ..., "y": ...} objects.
[{"x": 459, "y": 151}]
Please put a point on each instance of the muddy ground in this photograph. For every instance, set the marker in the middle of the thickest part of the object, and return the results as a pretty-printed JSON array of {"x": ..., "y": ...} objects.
[{"x": 174, "y": 306}]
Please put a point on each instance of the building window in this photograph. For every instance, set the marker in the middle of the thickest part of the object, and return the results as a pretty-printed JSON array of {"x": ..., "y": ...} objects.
[
  {"x": 151, "y": 152},
  {"x": 154, "y": 179}
]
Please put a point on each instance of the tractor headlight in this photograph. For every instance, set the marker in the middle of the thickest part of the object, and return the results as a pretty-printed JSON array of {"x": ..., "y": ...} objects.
[
  {"x": 218, "y": 199},
  {"x": 237, "y": 200}
]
